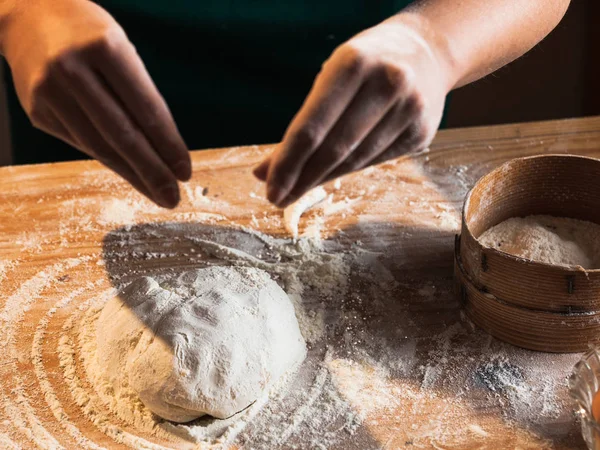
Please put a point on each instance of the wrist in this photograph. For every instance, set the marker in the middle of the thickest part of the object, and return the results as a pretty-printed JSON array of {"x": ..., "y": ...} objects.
[
  {"x": 17, "y": 17},
  {"x": 433, "y": 43},
  {"x": 7, "y": 12},
  {"x": 11, "y": 14}
]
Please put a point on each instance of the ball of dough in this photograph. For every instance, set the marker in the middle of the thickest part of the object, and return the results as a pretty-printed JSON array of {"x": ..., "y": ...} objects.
[{"x": 209, "y": 341}]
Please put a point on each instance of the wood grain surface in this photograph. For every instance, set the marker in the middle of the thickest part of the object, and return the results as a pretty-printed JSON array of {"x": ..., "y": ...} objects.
[{"x": 63, "y": 224}]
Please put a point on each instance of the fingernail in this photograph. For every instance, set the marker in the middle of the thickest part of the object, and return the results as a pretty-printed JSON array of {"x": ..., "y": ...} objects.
[
  {"x": 169, "y": 196},
  {"x": 274, "y": 194},
  {"x": 182, "y": 170}
]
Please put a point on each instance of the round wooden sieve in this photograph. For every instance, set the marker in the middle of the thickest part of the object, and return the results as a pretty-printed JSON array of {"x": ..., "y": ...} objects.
[{"x": 527, "y": 303}]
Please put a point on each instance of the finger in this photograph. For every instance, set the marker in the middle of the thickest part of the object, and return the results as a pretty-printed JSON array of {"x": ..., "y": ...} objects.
[
  {"x": 117, "y": 164},
  {"x": 132, "y": 84},
  {"x": 74, "y": 121},
  {"x": 369, "y": 107},
  {"x": 45, "y": 120},
  {"x": 415, "y": 138},
  {"x": 412, "y": 139},
  {"x": 332, "y": 92},
  {"x": 92, "y": 143},
  {"x": 261, "y": 171},
  {"x": 117, "y": 129},
  {"x": 395, "y": 122}
]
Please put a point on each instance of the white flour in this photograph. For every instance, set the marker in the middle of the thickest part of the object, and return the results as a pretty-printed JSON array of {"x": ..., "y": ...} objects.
[
  {"x": 117, "y": 212},
  {"x": 552, "y": 240},
  {"x": 292, "y": 214}
]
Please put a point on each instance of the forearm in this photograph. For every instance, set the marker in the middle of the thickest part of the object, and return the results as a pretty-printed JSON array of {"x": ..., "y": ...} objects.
[
  {"x": 473, "y": 38},
  {"x": 9, "y": 9},
  {"x": 6, "y": 9}
]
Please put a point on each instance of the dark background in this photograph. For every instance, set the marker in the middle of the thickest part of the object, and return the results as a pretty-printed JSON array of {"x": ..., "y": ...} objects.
[{"x": 560, "y": 78}]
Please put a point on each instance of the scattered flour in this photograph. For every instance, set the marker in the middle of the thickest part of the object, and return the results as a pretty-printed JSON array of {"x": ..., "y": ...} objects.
[
  {"x": 503, "y": 377},
  {"x": 117, "y": 211},
  {"x": 552, "y": 240},
  {"x": 197, "y": 195},
  {"x": 292, "y": 214}
]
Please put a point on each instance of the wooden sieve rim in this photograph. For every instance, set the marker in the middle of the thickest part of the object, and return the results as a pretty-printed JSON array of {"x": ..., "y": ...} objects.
[
  {"x": 556, "y": 185},
  {"x": 490, "y": 175},
  {"x": 466, "y": 277},
  {"x": 535, "y": 330}
]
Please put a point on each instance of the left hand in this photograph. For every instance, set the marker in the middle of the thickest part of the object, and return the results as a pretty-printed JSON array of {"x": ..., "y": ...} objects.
[
  {"x": 380, "y": 95},
  {"x": 80, "y": 79}
]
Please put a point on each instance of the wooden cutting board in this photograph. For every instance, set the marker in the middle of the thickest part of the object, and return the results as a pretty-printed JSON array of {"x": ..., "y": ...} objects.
[{"x": 434, "y": 380}]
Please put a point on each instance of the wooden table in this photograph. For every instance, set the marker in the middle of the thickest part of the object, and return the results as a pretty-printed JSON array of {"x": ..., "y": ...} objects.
[{"x": 437, "y": 383}]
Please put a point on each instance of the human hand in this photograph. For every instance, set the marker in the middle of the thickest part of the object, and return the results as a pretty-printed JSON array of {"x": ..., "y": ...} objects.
[
  {"x": 379, "y": 95},
  {"x": 80, "y": 79}
]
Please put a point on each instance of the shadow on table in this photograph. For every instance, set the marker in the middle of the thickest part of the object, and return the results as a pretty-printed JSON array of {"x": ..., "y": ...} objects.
[
  {"x": 414, "y": 333},
  {"x": 161, "y": 248}
]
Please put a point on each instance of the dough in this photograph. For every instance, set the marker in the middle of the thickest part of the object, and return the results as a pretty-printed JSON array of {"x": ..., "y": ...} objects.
[
  {"x": 209, "y": 341},
  {"x": 553, "y": 240}
]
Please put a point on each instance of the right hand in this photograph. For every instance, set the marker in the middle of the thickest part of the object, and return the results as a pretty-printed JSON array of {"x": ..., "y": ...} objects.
[{"x": 80, "y": 79}]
